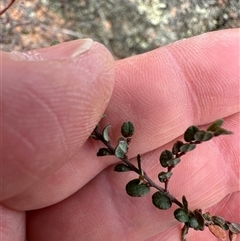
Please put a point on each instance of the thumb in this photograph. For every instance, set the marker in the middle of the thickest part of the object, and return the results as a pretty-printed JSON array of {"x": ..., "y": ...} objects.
[{"x": 52, "y": 99}]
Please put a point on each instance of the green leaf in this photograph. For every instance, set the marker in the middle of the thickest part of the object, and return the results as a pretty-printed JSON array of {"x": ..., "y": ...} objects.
[
  {"x": 190, "y": 132},
  {"x": 176, "y": 147},
  {"x": 165, "y": 157},
  {"x": 55, "y": 42},
  {"x": 104, "y": 152},
  {"x": 193, "y": 223},
  {"x": 185, "y": 204},
  {"x": 161, "y": 201},
  {"x": 105, "y": 133},
  {"x": 220, "y": 222},
  {"x": 163, "y": 176},
  {"x": 203, "y": 136},
  {"x": 127, "y": 129},
  {"x": 187, "y": 147},
  {"x": 207, "y": 216},
  {"x": 122, "y": 168},
  {"x": 200, "y": 219},
  {"x": 220, "y": 131},
  {"x": 121, "y": 148},
  {"x": 173, "y": 162},
  {"x": 234, "y": 227},
  {"x": 137, "y": 189},
  {"x": 181, "y": 215},
  {"x": 215, "y": 125}
]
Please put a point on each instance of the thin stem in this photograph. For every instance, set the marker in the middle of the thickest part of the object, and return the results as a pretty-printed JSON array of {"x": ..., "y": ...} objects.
[
  {"x": 125, "y": 159},
  {"x": 7, "y": 7}
]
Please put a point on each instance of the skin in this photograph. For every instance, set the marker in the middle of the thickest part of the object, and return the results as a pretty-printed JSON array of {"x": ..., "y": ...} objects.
[{"x": 49, "y": 166}]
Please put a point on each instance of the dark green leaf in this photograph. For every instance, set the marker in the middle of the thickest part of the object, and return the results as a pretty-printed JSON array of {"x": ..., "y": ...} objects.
[
  {"x": 218, "y": 220},
  {"x": 187, "y": 147},
  {"x": 185, "y": 204},
  {"x": 173, "y": 162},
  {"x": 220, "y": 131},
  {"x": 161, "y": 201},
  {"x": 104, "y": 152},
  {"x": 165, "y": 157},
  {"x": 193, "y": 223},
  {"x": 121, "y": 148},
  {"x": 200, "y": 219},
  {"x": 122, "y": 168},
  {"x": 137, "y": 189},
  {"x": 203, "y": 136},
  {"x": 207, "y": 216},
  {"x": 176, "y": 147},
  {"x": 162, "y": 176},
  {"x": 181, "y": 215},
  {"x": 105, "y": 133},
  {"x": 215, "y": 125},
  {"x": 127, "y": 129},
  {"x": 190, "y": 132}
]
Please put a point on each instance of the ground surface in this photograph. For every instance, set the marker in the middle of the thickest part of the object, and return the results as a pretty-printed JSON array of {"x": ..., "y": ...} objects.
[{"x": 126, "y": 27}]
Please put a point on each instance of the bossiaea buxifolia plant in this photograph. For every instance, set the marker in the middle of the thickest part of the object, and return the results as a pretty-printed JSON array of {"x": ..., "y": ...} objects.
[{"x": 169, "y": 159}]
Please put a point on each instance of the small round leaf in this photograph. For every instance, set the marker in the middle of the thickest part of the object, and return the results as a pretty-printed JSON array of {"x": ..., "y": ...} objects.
[
  {"x": 181, "y": 215},
  {"x": 165, "y": 157},
  {"x": 127, "y": 129},
  {"x": 187, "y": 147},
  {"x": 161, "y": 201},
  {"x": 190, "y": 132},
  {"x": 203, "y": 136},
  {"x": 193, "y": 223},
  {"x": 121, "y": 148},
  {"x": 215, "y": 125},
  {"x": 122, "y": 168},
  {"x": 176, "y": 147},
  {"x": 207, "y": 216},
  {"x": 234, "y": 227},
  {"x": 163, "y": 176},
  {"x": 218, "y": 220},
  {"x": 173, "y": 162},
  {"x": 137, "y": 189},
  {"x": 104, "y": 152},
  {"x": 105, "y": 133}
]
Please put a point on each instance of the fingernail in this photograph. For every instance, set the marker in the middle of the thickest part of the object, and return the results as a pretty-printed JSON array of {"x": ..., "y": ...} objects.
[
  {"x": 85, "y": 45},
  {"x": 71, "y": 49}
]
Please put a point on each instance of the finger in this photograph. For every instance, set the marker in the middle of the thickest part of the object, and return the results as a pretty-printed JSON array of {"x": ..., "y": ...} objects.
[
  {"x": 51, "y": 99},
  {"x": 12, "y": 225},
  {"x": 152, "y": 90},
  {"x": 194, "y": 81},
  {"x": 105, "y": 211}
]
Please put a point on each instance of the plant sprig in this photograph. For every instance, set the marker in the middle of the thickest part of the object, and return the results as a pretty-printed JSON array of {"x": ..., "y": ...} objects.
[{"x": 163, "y": 199}]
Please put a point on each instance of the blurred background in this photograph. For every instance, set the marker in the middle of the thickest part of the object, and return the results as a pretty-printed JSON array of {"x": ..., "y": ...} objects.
[{"x": 125, "y": 27}]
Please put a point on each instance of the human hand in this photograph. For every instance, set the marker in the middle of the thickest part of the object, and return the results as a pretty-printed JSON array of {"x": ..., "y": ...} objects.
[{"x": 194, "y": 81}]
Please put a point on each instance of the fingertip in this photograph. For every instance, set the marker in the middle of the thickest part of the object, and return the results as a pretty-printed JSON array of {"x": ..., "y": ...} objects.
[{"x": 51, "y": 105}]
